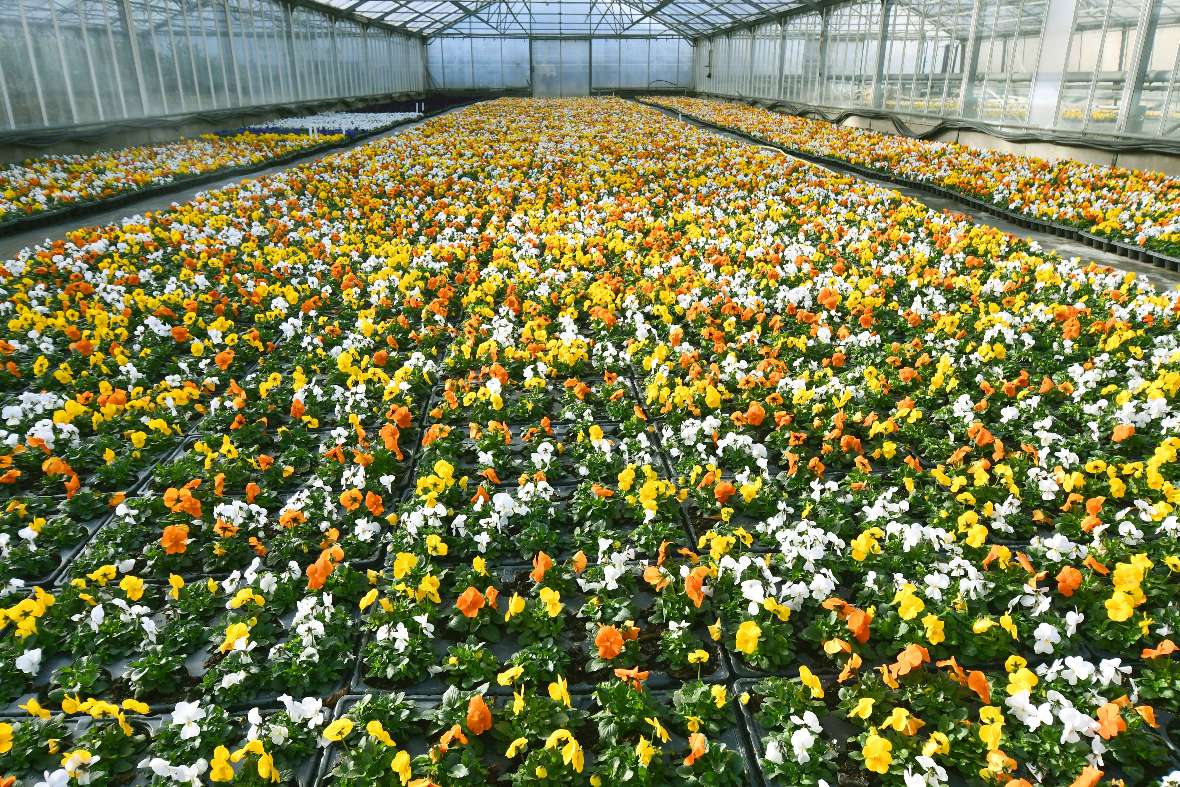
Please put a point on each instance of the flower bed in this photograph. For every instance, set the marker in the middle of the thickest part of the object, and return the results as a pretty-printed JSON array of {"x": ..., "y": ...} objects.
[
  {"x": 52, "y": 183},
  {"x": 349, "y": 123},
  {"x": 1136, "y": 207},
  {"x": 560, "y": 443}
]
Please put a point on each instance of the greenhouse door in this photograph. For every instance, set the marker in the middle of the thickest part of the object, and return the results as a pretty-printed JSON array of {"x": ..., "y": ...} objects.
[{"x": 561, "y": 67}]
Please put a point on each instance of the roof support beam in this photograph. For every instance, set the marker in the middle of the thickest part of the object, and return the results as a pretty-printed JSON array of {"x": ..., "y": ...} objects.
[
  {"x": 475, "y": 12},
  {"x": 402, "y": 5},
  {"x": 610, "y": 13},
  {"x": 706, "y": 18},
  {"x": 655, "y": 13},
  {"x": 427, "y": 14},
  {"x": 780, "y": 16},
  {"x": 346, "y": 13}
]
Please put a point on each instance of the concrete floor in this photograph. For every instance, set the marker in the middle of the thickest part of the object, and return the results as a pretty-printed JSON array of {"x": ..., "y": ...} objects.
[{"x": 10, "y": 245}]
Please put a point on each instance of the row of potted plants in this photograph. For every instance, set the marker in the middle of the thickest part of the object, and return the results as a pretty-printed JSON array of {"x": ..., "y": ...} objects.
[
  {"x": 1137, "y": 207},
  {"x": 54, "y": 182},
  {"x": 349, "y": 123}
]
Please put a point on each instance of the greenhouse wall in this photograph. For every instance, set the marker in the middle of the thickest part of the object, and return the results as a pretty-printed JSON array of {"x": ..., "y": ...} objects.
[
  {"x": 1095, "y": 66},
  {"x": 75, "y": 62},
  {"x": 555, "y": 67}
]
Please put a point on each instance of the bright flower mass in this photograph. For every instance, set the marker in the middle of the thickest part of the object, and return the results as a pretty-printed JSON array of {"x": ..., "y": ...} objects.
[
  {"x": 337, "y": 122},
  {"x": 561, "y": 443},
  {"x": 54, "y": 182},
  {"x": 1136, "y": 207}
]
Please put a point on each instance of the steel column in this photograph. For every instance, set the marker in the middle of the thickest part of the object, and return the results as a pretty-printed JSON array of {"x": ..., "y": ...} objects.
[
  {"x": 1135, "y": 74},
  {"x": 31, "y": 53},
  {"x": 879, "y": 69},
  {"x": 821, "y": 74},
  {"x": 1045, "y": 95},
  {"x": 970, "y": 62},
  {"x": 233, "y": 57}
]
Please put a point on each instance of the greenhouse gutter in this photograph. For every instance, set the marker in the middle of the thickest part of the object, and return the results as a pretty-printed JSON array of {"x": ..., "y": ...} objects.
[
  {"x": 1127, "y": 250},
  {"x": 45, "y": 218}
]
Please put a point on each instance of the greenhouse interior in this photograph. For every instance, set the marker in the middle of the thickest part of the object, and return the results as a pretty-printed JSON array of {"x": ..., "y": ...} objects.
[{"x": 448, "y": 393}]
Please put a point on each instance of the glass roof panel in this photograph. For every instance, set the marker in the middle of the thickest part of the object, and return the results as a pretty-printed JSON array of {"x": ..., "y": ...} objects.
[{"x": 687, "y": 18}]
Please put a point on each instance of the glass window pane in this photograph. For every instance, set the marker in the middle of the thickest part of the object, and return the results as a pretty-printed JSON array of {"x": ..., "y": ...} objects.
[
  {"x": 457, "y": 63},
  {"x": 605, "y": 54},
  {"x": 633, "y": 67},
  {"x": 515, "y": 60},
  {"x": 64, "y": 62},
  {"x": 485, "y": 56},
  {"x": 575, "y": 67}
]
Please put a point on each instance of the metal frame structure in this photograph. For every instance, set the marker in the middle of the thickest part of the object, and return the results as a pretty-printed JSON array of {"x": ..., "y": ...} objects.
[
  {"x": 1108, "y": 67},
  {"x": 642, "y": 63},
  {"x": 594, "y": 18},
  {"x": 633, "y": 45},
  {"x": 68, "y": 63}
]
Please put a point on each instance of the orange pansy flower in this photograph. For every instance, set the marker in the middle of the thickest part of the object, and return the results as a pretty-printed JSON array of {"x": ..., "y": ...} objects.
[
  {"x": 654, "y": 577},
  {"x": 319, "y": 571},
  {"x": 633, "y": 676},
  {"x": 1165, "y": 648},
  {"x": 723, "y": 491},
  {"x": 1110, "y": 721},
  {"x": 1069, "y": 579},
  {"x": 541, "y": 565},
  {"x": 453, "y": 735},
  {"x": 479, "y": 716},
  {"x": 175, "y": 539},
  {"x": 977, "y": 682},
  {"x": 609, "y": 642},
  {"x": 694, "y": 585},
  {"x": 389, "y": 435},
  {"x": 350, "y": 499},
  {"x": 697, "y": 746},
  {"x": 1089, "y": 777},
  {"x": 471, "y": 602}
]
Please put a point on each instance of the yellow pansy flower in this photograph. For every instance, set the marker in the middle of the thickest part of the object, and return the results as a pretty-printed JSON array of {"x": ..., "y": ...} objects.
[
  {"x": 748, "y": 634},
  {"x": 339, "y": 729},
  {"x": 877, "y": 753}
]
